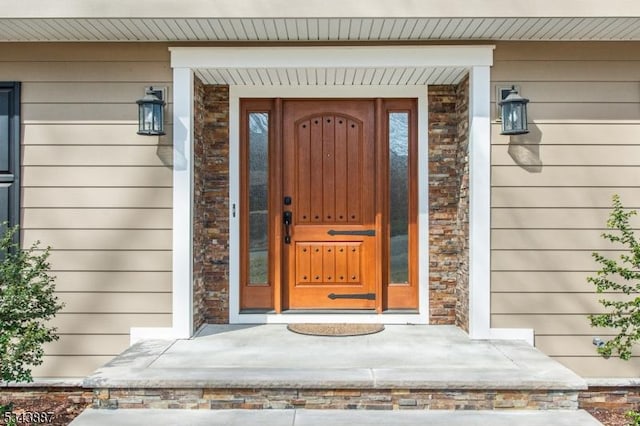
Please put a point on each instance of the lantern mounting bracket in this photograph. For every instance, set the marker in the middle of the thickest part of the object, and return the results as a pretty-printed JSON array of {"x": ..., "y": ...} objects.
[{"x": 160, "y": 92}]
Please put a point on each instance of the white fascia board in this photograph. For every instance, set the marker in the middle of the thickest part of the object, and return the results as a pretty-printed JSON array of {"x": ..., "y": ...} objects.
[{"x": 323, "y": 57}]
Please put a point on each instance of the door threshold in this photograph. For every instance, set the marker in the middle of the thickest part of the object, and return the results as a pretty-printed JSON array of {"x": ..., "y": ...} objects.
[
  {"x": 331, "y": 315},
  {"x": 329, "y": 311},
  {"x": 256, "y": 311},
  {"x": 351, "y": 311}
]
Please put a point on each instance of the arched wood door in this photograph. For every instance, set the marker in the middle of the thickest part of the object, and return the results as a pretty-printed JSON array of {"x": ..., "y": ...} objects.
[{"x": 329, "y": 189}]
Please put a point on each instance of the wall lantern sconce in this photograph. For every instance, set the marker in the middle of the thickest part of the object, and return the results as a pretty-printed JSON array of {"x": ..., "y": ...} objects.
[
  {"x": 514, "y": 113},
  {"x": 151, "y": 112}
]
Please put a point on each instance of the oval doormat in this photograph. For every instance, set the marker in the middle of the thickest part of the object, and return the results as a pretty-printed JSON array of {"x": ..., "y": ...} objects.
[{"x": 335, "y": 329}]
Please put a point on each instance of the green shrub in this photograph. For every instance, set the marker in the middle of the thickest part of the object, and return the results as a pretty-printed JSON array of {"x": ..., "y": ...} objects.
[
  {"x": 27, "y": 302},
  {"x": 634, "y": 417},
  {"x": 7, "y": 409},
  {"x": 622, "y": 277}
]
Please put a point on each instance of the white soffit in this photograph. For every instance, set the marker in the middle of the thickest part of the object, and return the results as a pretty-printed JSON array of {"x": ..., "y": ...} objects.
[
  {"x": 332, "y": 66},
  {"x": 320, "y": 29},
  {"x": 388, "y": 76}
]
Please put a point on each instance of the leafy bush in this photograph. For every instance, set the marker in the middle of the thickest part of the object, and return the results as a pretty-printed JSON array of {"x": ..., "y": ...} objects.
[
  {"x": 7, "y": 409},
  {"x": 27, "y": 302},
  {"x": 634, "y": 417},
  {"x": 621, "y": 276}
]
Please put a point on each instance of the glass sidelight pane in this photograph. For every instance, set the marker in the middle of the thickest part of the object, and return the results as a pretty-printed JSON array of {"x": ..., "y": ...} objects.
[
  {"x": 258, "y": 197},
  {"x": 399, "y": 197}
]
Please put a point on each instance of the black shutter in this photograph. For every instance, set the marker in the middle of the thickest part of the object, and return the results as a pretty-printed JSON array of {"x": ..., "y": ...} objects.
[{"x": 10, "y": 153}]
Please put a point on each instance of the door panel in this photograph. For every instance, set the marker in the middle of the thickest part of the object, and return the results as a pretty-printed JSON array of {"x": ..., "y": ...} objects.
[
  {"x": 329, "y": 173},
  {"x": 328, "y": 263}
]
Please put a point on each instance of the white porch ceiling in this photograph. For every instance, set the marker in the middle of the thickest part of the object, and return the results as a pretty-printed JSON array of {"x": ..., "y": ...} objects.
[
  {"x": 396, "y": 76},
  {"x": 320, "y": 29}
]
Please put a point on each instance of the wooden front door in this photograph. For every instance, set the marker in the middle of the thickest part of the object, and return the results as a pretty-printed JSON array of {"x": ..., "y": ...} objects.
[
  {"x": 329, "y": 218},
  {"x": 329, "y": 204}
]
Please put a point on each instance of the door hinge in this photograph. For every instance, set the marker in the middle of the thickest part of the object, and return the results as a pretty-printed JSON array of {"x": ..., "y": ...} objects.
[
  {"x": 367, "y": 296},
  {"x": 365, "y": 232}
]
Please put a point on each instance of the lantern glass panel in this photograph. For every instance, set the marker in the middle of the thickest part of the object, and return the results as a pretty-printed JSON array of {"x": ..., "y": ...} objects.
[
  {"x": 147, "y": 123},
  {"x": 514, "y": 116},
  {"x": 140, "y": 118},
  {"x": 157, "y": 118}
]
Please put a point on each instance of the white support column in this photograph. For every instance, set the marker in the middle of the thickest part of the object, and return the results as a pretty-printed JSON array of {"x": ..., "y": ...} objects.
[
  {"x": 182, "y": 202},
  {"x": 479, "y": 203},
  {"x": 480, "y": 214},
  {"x": 182, "y": 260}
]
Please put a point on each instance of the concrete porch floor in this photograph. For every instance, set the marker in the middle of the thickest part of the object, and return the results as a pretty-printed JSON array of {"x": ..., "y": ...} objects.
[
  {"x": 270, "y": 356},
  {"x": 230, "y": 357}
]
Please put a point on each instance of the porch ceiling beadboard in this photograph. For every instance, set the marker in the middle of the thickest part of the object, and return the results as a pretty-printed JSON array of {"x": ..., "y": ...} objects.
[
  {"x": 388, "y": 76},
  {"x": 319, "y": 29}
]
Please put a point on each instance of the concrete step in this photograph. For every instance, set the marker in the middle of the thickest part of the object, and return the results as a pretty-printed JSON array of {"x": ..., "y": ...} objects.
[
  {"x": 158, "y": 417},
  {"x": 267, "y": 366}
]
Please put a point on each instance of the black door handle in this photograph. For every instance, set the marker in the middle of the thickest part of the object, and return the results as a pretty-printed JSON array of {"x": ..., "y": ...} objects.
[{"x": 287, "y": 219}]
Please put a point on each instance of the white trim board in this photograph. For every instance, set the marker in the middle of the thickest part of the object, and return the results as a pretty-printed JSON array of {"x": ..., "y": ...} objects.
[
  {"x": 324, "y": 56},
  {"x": 238, "y": 92},
  {"x": 477, "y": 59}
]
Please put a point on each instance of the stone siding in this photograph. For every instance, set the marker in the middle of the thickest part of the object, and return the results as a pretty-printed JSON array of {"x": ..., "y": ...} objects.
[
  {"x": 358, "y": 399},
  {"x": 462, "y": 217},
  {"x": 199, "y": 213},
  {"x": 211, "y": 205},
  {"x": 617, "y": 399},
  {"x": 448, "y": 204}
]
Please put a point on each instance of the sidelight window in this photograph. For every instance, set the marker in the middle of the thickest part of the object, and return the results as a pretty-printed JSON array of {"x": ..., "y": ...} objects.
[
  {"x": 400, "y": 268},
  {"x": 399, "y": 197},
  {"x": 258, "y": 197}
]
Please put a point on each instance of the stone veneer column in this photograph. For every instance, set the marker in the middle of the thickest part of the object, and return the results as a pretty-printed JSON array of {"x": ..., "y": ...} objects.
[
  {"x": 211, "y": 205},
  {"x": 448, "y": 204},
  {"x": 462, "y": 218}
]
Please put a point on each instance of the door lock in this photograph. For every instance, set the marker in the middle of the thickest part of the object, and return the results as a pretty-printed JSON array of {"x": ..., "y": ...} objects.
[{"x": 287, "y": 219}]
